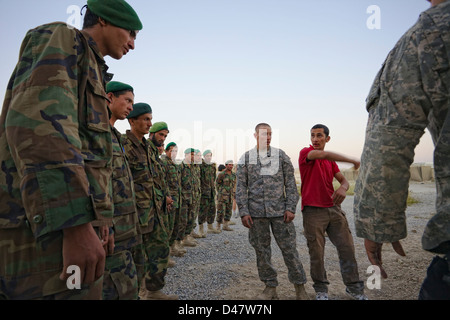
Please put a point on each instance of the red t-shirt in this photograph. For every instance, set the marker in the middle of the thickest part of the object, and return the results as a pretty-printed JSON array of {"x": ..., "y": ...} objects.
[{"x": 317, "y": 180}]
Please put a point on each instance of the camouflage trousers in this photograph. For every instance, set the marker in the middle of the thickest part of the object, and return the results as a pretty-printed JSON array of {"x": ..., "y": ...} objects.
[
  {"x": 285, "y": 237},
  {"x": 317, "y": 221},
  {"x": 120, "y": 279},
  {"x": 224, "y": 208},
  {"x": 173, "y": 221},
  {"x": 207, "y": 211},
  {"x": 30, "y": 268},
  {"x": 156, "y": 244},
  {"x": 180, "y": 225},
  {"x": 193, "y": 214}
]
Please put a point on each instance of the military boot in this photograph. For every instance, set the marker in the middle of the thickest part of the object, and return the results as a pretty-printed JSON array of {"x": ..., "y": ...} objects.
[
  {"x": 269, "y": 293},
  {"x": 187, "y": 242},
  {"x": 211, "y": 229},
  {"x": 178, "y": 247},
  {"x": 300, "y": 292},
  {"x": 171, "y": 263},
  {"x": 218, "y": 228},
  {"x": 201, "y": 231},
  {"x": 195, "y": 235},
  {"x": 159, "y": 295},
  {"x": 226, "y": 226}
]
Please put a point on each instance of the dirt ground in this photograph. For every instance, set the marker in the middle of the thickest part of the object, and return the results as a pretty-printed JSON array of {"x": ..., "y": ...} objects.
[{"x": 405, "y": 274}]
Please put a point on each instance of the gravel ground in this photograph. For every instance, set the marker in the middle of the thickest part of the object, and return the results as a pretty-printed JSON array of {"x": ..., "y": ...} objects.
[{"x": 223, "y": 266}]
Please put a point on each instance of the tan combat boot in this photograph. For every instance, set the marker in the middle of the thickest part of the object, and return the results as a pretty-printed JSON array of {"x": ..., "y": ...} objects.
[
  {"x": 187, "y": 242},
  {"x": 226, "y": 226},
  {"x": 171, "y": 263},
  {"x": 195, "y": 235},
  {"x": 179, "y": 247},
  {"x": 201, "y": 231},
  {"x": 176, "y": 251},
  {"x": 300, "y": 292},
  {"x": 269, "y": 293},
  {"x": 211, "y": 229},
  {"x": 218, "y": 228},
  {"x": 159, "y": 295}
]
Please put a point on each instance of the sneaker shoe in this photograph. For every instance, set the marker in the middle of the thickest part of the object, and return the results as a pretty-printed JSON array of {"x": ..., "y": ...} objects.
[
  {"x": 356, "y": 296},
  {"x": 321, "y": 296}
]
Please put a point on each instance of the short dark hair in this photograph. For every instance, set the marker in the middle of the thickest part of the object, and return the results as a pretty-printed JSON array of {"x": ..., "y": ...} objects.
[
  {"x": 260, "y": 125},
  {"x": 90, "y": 19},
  {"x": 322, "y": 126}
]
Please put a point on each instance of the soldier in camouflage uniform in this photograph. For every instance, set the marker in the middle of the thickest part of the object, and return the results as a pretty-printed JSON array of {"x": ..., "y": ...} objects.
[
  {"x": 158, "y": 249},
  {"x": 196, "y": 194},
  {"x": 208, "y": 173},
  {"x": 56, "y": 155},
  {"x": 121, "y": 279},
  {"x": 173, "y": 179},
  {"x": 183, "y": 237},
  {"x": 410, "y": 93},
  {"x": 267, "y": 197},
  {"x": 322, "y": 213},
  {"x": 136, "y": 150},
  {"x": 226, "y": 185}
]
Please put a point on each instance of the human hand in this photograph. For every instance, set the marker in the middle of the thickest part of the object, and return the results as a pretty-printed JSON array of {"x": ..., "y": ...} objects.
[
  {"x": 288, "y": 216},
  {"x": 247, "y": 221},
  {"x": 83, "y": 248},
  {"x": 373, "y": 250},
  {"x": 356, "y": 164},
  {"x": 339, "y": 195}
]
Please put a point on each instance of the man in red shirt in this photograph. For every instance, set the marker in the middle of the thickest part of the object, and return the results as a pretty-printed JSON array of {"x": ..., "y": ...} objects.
[{"x": 321, "y": 208}]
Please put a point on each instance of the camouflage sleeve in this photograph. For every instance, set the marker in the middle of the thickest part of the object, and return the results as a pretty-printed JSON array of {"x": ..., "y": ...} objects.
[
  {"x": 290, "y": 186},
  {"x": 242, "y": 187},
  {"x": 408, "y": 86},
  {"x": 41, "y": 127}
]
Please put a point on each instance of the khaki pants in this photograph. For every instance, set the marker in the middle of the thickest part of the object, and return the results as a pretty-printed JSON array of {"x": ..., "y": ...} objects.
[{"x": 317, "y": 221}]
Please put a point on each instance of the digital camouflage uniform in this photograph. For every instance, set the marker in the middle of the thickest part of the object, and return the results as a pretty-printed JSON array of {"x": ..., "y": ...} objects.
[
  {"x": 56, "y": 158},
  {"x": 158, "y": 241},
  {"x": 186, "y": 212},
  {"x": 143, "y": 173},
  {"x": 207, "y": 210},
  {"x": 121, "y": 279},
  {"x": 173, "y": 179},
  {"x": 225, "y": 184},
  {"x": 411, "y": 92},
  {"x": 265, "y": 189}
]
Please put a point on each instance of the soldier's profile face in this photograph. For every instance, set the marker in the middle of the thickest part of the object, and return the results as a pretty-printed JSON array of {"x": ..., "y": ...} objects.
[
  {"x": 159, "y": 137},
  {"x": 122, "y": 105},
  {"x": 142, "y": 123},
  {"x": 117, "y": 41}
]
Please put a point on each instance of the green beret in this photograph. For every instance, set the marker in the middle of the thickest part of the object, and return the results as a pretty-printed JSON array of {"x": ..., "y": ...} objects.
[
  {"x": 206, "y": 152},
  {"x": 196, "y": 151},
  {"x": 170, "y": 144},
  {"x": 158, "y": 126},
  {"x": 117, "y": 12},
  {"x": 116, "y": 86},
  {"x": 229, "y": 162},
  {"x": 189, "y": 150},
  {"x": 138, "y": 109}
]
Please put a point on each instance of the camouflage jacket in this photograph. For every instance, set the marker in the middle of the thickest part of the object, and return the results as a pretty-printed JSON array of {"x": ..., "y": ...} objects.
[
  {"x": 160, "y": 187},
  {"x": 143, "y": 173},
  {"x": 125, "y": 220},
  {"x": 173, "y": 179},
  {"x": 187, "y": 181},
  {"x": 197, "y": 180},
  {"x": 55, "y": 137},
  {"x": 410, "y": 93},
  {"x": 226, "y": 184},
  {"x": 265, "y": 185},
  {"x": 208, "y": 172}
]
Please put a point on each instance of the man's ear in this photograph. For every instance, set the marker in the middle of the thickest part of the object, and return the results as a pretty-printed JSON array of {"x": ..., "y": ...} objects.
[{"x": 328, "y": 139}]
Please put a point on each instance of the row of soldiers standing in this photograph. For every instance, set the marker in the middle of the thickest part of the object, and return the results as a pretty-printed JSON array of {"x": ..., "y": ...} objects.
[{"x": 158, "y": 202}]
